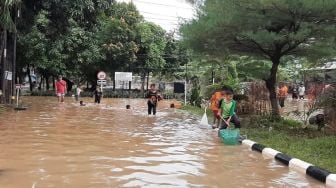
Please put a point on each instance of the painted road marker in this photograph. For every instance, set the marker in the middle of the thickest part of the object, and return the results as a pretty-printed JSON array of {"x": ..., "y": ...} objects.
[{"x": 317, "y": 173}]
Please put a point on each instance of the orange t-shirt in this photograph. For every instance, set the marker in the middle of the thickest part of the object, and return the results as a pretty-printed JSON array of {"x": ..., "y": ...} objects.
[
  {"x": 215, "y": 100},
  {"x": 283, "y": 91}
]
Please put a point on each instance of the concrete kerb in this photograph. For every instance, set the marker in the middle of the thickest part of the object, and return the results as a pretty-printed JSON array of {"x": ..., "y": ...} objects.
[{"x": 317, "y": 173}]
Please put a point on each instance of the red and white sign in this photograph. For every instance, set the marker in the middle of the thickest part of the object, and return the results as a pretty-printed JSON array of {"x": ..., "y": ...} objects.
[
  {"x": 101, "y": 75},
  {"x": 17, "y": 86}
]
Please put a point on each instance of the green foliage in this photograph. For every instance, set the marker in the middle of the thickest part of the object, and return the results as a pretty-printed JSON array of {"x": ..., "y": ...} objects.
[
  {"x": 195, "y": 98},
  {"x": 79, "y": 38},
  {"x": 262, "y": 29},
  {"x": 175, "y": 56},
  {"x": 6, "y": 14},
  {"x": 118, "y": 35},
  {"x": 152, "y": 43}
]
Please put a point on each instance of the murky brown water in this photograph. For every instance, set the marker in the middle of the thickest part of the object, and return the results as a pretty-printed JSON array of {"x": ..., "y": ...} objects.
[{"x": 64, "y": 145}]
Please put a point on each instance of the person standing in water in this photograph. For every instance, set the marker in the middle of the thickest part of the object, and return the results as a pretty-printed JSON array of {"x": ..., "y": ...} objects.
[
  {"x": 78, "y": 91},
  {"x": 61, "y": 89},
  {"x": 152, "y": 100},
  {"x": 98, "y": 95}
]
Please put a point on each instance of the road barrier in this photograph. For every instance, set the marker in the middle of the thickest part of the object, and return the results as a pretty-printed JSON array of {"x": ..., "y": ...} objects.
[{"x": 315, "y": 172}]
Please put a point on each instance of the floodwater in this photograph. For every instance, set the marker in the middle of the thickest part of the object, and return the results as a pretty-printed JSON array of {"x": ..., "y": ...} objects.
[{"x": 65, "y": 145}]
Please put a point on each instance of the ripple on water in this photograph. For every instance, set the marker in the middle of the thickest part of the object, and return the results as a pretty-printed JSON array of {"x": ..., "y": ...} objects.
[{"x": 64, "y": 145}]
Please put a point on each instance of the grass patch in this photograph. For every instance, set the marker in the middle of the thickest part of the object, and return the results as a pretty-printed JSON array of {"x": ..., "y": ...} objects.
[
  {"x": 288, "y": 136},
  {"x": 319, "y": 150}
]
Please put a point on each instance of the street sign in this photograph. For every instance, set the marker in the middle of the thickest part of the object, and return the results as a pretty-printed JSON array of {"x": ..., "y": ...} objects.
[
  {"x": 101, "y": 82},
  {"x": 123, "y": 76},
  {"x": 17, "y": 86},
  {"x": 101, "y": 75},
  {"x": 8, "y": 75}
]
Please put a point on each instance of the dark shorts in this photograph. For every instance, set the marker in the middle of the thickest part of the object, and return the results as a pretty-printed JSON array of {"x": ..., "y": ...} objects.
[
  {"x": 295, "y": 96},
  {"x": 282, "y": 102},
  {"x": 234, "y": 119},
  {"x": 215, "y": 114}
]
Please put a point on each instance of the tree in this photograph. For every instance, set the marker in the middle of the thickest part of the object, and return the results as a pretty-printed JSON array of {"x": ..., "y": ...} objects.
[
  {"x": 151, "y": 40},
  {"x": 118, "y": 34},
  {"x": 175, "y": 56},
  {"x": 62, "y": 37},
  {"x": 264, "y": 29},
  {"x": 8, "y": 15}
]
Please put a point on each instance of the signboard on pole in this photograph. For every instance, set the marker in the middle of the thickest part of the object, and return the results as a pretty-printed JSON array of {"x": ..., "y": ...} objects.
[
  {"x": 8, "y": 75},
  {"x": 17, "y": 86},
  {"x": 123, "y": 76},
  {"x": 101, "y": 82},
  {"x": 101, "y": 75}
]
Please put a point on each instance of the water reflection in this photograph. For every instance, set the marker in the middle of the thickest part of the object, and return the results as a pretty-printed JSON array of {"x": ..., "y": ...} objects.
[{"x": 65, "y": 145}]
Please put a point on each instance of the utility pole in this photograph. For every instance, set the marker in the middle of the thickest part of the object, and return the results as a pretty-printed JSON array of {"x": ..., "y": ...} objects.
[
  {"x": 16, "y": 15},
  {"x": 213, "y": 74},
  {"x": 185, "y": 84},
  {"x": 9, "y": 61}
]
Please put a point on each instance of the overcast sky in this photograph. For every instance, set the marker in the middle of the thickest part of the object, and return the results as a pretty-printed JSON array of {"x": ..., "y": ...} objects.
[{"x": 166, "y": 13}]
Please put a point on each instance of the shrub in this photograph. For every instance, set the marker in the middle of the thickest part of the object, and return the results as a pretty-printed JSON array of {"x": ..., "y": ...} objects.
[
  {"x": 266, "y": 121},
  {"x": 327, "y": 101}
]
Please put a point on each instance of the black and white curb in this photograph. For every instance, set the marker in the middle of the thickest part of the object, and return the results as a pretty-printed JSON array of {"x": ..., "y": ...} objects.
[{"x": 318, "y": 173}]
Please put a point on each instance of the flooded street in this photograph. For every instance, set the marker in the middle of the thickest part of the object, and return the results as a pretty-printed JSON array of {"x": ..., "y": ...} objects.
[{"x": 65, "y": 145}]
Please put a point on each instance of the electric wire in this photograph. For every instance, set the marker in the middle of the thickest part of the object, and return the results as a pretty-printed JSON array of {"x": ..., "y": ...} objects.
[{"x": 166, "y": 5}]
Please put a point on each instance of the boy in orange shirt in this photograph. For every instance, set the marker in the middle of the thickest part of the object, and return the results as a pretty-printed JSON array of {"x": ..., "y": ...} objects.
[
  {"x": 282, "y": 93},
  {"x": 215, "y": 98}
]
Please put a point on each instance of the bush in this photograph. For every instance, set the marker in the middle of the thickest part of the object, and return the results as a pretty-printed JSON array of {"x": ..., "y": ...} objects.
[{"x": 327, "y": 101}]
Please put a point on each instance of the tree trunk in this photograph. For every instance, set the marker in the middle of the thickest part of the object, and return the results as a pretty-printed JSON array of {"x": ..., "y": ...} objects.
[
  {"x": 114, "y": 82},
  {"x": 31, "y": 86},
  {"x": 53, "y": 83},
  {"x": 2, "y": 64},
  {"x": 47, "y": 82},
  {"x": 147, "y": 81},
  {"x": 40, "y": 84},
  {"x": 270, "y": 84},
  {"x": 19, "y": 77},
  {"x": 7, "y": 88},
  {"x": 143, "y": 78},
  {"x": 2, "y": 44}
]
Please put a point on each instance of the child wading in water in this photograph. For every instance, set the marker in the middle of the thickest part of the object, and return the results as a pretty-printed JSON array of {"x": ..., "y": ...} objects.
[
  {"x": 152, "y": 100},
  {"x": 227, "y": 107}
]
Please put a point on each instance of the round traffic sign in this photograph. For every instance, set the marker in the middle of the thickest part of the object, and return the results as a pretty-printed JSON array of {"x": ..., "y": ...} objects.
[{"x": 101, "y": 75}]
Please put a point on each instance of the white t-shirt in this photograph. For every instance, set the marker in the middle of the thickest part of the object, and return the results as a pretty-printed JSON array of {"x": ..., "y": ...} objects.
[
  {"x": 78, "y": 91},
  {"x": 302, "y": 90}
]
